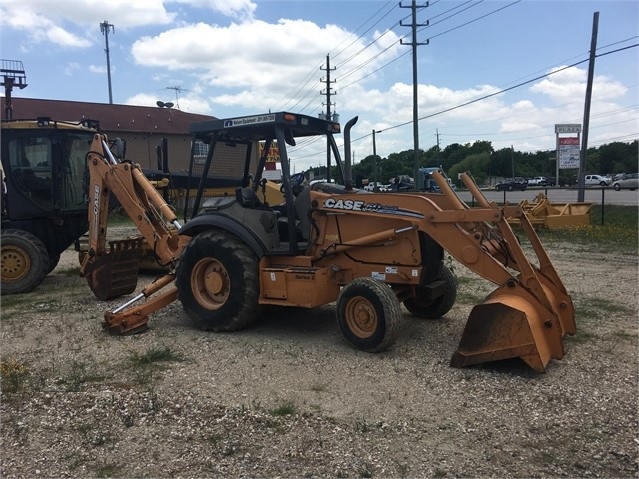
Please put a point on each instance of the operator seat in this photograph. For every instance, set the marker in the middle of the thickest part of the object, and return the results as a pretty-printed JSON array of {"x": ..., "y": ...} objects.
[
  {"x": 302, "y": 208},
  {"x": 247, "y": 197}
]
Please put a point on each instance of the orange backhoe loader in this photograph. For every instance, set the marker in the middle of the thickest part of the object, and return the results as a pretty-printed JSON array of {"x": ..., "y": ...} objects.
[{"x": 368, "y": 252}]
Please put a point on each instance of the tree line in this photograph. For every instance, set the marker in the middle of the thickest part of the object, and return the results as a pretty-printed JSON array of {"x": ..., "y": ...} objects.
[{"x": 484, "y": 163}]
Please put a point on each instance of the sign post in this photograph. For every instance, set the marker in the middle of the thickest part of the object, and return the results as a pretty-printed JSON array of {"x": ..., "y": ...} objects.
[{"x": 567, "y": 147}]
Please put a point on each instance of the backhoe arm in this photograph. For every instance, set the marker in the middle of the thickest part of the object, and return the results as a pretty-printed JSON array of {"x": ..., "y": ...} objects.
[{"x": 113, "y": 273}]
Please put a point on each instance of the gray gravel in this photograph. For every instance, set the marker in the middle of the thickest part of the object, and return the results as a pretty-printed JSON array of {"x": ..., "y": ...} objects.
[{"x": 290, "y": 398}]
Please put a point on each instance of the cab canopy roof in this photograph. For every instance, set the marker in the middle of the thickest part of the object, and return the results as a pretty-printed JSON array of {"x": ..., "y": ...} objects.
[{"x": 261, "y": 127}]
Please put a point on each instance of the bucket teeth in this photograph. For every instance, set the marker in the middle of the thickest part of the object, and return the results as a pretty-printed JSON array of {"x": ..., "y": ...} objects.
[{"x": 113, "y": 274}]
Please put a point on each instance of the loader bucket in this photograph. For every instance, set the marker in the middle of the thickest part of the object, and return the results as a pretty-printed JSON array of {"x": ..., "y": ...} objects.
[
  {"x": 511, "y": 323},
  {"x": 113, "y": 274}
]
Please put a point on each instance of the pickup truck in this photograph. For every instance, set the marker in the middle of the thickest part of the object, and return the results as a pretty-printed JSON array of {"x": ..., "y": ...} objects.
[
  {"x": 597, "y": 180},
  {"x": 538, "y": 181}
]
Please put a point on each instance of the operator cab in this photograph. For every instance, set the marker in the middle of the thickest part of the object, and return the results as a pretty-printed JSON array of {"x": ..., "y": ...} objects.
[{"x": 228, "y": 160}]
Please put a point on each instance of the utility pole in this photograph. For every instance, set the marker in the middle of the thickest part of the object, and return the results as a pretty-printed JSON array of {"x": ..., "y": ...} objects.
[
  {"x": 586, "y": 124},
  {"x": 375, "y": 188},
  {"x": 105, "y": 26},
  {"x": 414, "y": 45},
  {"x": 328, "y": 92}
]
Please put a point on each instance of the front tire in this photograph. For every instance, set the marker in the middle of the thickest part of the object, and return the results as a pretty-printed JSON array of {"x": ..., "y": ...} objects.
[
  {"x": 422, "y": 307},
  {"x": 218, "y": 282},
  {"x": 617, "y": 186},
  {"x": 369, "y": 314},
  {"x": 25, "y": 262}
]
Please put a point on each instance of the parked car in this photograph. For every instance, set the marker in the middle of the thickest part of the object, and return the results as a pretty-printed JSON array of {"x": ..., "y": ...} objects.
[
  {"x": 629, "y": 181},
  {"x": 596, "y": 180},
  {"x": 371, "y": 186},
  {"x": 538, "y": 181},
  {"x": 512, "y": 184}
]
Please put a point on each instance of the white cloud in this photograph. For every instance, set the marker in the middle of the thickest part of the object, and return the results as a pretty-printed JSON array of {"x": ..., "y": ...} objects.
[
  {"x": 238, "y": 9},
  {"x": 64, "y": 23},
  {"x": 256, "y": 65},
  {"x": 71, "y": 68},
  {"x": 101, "y": 69}
]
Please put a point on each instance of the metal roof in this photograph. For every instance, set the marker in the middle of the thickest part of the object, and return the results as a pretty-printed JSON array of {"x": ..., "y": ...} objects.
[{"x": 112, "y": 117}]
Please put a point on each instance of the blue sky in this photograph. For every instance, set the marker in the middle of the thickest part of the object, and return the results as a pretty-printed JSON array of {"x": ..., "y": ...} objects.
[{"x": 239, "y": 57}]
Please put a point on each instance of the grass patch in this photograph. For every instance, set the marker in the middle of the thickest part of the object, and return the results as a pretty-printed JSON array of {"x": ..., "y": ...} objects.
[
  {"x": 14, "y": 300},
  {"x": 79, "y": 373},
  {"x": 582, "y": 336},
  {"x": 14, "y": 375},
  {"x": 73, "y": 272},
  {"x": 119, "y": 217},
  {"x": 626, "y": 335},
  {"x": 319, "y": 387},
  {"x": 595, "y": 307},
  {"x": 465, "y": 297},
  {"x": 286, "y": 409},
  {"x": 154, "y": 355},
  {"x": 108, "y": 469},
  {"x": 618, "y": 234}
]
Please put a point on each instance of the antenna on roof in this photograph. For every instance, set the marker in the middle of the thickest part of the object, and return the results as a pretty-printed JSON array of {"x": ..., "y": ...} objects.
[
  {"x": 13, "y": 74},
  {"x": 177, "y": 89}
]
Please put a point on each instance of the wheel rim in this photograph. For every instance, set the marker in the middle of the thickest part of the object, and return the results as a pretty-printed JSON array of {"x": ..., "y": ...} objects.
[
  {"x": 15, "y": 263},
  {"x": 361, "y": 317},
  {"x": 210, "y": 283}
]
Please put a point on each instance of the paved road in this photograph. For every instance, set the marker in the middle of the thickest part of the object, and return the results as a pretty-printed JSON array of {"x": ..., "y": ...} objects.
[{"x": 561, "y": 195}]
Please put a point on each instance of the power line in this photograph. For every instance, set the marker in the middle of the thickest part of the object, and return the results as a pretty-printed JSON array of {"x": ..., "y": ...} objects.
[{"x": 359, "y": 67}]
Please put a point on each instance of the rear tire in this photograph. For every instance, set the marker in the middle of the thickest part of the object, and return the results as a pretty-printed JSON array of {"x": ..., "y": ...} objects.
[
  {"x": 369, "y": 314},
  {"x": 218, "y": 282},
  {"x": 434, "y": 308},
  {"x": 25, "y": 262}
]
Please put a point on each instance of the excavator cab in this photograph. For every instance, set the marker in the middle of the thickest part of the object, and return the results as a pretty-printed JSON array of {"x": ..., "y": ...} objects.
[{"x": 43, "y": 196}]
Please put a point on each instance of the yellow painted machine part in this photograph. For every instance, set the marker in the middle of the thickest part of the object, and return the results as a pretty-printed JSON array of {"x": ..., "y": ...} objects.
[
  {"x": 510, "y": 324},
  {"x": 543, "y": 213}
]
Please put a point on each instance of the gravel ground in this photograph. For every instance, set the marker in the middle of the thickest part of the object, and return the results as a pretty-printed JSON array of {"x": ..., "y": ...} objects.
[{"x": 290, "y": 398}]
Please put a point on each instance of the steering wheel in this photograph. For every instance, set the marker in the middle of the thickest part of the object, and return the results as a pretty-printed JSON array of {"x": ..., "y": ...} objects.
[{"x": 297, "y": 186}]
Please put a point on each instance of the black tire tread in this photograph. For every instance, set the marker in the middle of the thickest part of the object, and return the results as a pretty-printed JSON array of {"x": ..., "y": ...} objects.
[
  {"x": 39, "y": 261},
  {"x": 392, "y": 311},
  {"x": 440, "y": 306},
  {"x": 224, "y": 320}
]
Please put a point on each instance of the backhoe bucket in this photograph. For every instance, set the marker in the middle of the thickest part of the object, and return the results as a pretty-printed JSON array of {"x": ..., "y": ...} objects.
[
  {"x": 115, "y": 273},
  {"x": 511, "y": 323}
]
